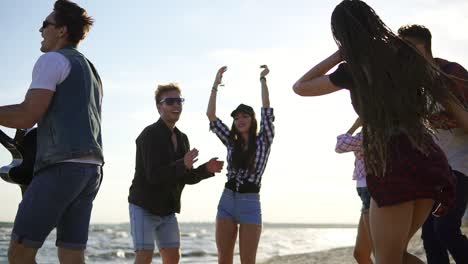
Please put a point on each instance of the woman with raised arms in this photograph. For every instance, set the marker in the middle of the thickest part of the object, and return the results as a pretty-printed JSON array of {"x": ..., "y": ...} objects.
[{"x": 239, "y": 210}]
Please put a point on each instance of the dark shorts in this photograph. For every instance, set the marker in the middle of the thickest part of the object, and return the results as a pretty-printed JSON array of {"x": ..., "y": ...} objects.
[
  {"x": 412, "y": 174},
  {"x": 59, "y": 196},
  {"x": 363, "y": 192}
]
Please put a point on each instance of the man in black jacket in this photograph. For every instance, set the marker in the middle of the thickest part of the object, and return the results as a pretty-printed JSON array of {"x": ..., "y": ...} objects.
[{"x": 164, "y": 164}]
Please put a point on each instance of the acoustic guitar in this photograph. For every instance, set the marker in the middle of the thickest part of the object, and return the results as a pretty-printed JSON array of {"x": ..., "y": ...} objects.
[{"x": 23, "y": 151}]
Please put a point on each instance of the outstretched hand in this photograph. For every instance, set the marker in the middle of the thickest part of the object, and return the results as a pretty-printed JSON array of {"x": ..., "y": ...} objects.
[
  {"x": 265, "y": 71},
  {"x": 219, "y": 75},
  {"x": 214, "y": 165}
]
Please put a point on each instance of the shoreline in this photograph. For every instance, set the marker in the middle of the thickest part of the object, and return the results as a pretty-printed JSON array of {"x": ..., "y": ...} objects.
[{"x": 345, "y": 254}]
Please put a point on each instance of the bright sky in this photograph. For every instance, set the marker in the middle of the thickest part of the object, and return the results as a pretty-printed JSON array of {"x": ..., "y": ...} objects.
[{"x": 137, "y": 45}]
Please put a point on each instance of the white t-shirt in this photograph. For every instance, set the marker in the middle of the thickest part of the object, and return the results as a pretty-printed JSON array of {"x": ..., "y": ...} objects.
[
  {"x": 50, "y": 70},
  {"x": 455, "y": 145}
]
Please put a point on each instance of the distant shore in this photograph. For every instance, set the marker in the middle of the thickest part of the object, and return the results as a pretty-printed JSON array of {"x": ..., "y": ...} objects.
[{"x": 345, "y": 255}]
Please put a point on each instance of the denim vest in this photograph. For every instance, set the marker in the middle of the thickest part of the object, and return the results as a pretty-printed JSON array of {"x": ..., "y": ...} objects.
[{"x": 71, "y": 127}]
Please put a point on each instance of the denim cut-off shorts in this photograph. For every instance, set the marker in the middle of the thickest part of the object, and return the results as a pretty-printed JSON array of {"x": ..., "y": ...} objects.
[
  {"x": 60, "y": 196},
  {"x": 147, "y": 228},
  {"x": 242, "y": 208},
  {"x": 363, "y": 192}
]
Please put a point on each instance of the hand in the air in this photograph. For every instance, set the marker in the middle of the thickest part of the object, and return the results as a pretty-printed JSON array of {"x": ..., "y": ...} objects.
[
  {"x": 219, "y": 75},
  {"x": 265, "y": 71}
]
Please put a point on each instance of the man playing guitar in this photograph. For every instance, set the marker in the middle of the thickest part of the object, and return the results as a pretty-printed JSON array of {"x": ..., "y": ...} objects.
[{"x": 64, "y": 99}]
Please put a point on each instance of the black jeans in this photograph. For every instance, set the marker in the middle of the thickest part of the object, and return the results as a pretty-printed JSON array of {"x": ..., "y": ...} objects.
[{"x": 442, "y": 234}]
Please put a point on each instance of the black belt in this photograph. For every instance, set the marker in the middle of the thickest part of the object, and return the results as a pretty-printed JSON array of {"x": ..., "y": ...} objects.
[{"x": 247, "y": 187}]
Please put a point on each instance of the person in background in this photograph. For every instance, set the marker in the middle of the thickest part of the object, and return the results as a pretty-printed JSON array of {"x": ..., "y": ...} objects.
[
  {"x": 353, "y": 143},
  {"x": 164, "y": 164},
  {"x": 442, "y": 235}
]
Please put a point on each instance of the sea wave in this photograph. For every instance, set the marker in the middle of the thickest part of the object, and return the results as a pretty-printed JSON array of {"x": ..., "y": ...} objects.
[
  {"x": 130, "y": 254},
  {"x": 116, "y": 254},
  {"x": 112, "y": 243}
]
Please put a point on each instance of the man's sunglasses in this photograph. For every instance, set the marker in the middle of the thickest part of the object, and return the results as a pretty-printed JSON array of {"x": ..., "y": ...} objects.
[
  {"x": 46, "y": 23},
  {"x": 172, "y": 100}
]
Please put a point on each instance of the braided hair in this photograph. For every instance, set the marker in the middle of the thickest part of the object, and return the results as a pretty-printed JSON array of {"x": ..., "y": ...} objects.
[{"x": 396, "y": 89}]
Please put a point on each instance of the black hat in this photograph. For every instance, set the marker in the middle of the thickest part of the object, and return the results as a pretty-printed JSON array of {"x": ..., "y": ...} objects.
[{"x": 244, "y": 109}]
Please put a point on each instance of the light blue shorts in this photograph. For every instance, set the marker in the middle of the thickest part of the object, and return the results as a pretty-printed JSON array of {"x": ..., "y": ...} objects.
[
  {"x": 147, "y": 228},
  {"x": 242, "y": 208}
]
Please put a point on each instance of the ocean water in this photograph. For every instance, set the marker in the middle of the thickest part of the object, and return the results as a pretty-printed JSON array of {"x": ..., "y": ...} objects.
[{"x": 112, "y": 243}]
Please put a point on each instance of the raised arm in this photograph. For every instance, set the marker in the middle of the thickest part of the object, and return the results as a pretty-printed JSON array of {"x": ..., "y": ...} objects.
[
  {"x": 315, "y": 82},
  {"x": 265, "y": 93},
  {"x": 355, "y": 126},
  {"x": 347, "y": 142},
  {"x": 211, "y": 111}
]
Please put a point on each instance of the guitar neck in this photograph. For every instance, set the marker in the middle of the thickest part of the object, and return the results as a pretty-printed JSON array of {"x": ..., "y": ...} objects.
[{"x": 5, "y": 140}]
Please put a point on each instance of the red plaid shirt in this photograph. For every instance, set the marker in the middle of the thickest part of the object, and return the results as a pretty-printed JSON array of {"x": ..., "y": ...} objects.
[{"x": 458, "y": 86}]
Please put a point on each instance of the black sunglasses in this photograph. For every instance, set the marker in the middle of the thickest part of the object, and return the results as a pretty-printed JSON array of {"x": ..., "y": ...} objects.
[
  {"x": 46, "y": 23},
  {"x": 172, "y": 100}
]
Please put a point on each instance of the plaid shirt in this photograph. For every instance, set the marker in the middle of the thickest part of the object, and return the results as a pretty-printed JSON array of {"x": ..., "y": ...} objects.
[
  {"x": 263, "y": 141},
  {"x": 459, "y": 88},
  {"x": 347, "y": 143}
]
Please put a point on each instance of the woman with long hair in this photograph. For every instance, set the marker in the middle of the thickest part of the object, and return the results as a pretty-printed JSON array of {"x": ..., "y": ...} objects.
[
  {"x": 394, "y": 90},
  {"x": 239, "y": 208}
]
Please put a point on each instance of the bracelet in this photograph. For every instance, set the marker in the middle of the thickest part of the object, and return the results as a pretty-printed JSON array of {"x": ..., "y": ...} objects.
[{"x": 263, "y": 78}]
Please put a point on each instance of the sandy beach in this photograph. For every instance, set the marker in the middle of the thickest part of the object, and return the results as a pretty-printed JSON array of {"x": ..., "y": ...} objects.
[{"x": 344, "y": 255}]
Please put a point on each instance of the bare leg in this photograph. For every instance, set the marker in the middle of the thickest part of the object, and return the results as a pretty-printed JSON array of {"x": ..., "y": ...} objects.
[
  {"x": 226, "y": 235},
  {"x": 249, "y": 236},
  {"x": 19, "y": 254},
  {"x": 363, "y": 247},
  {"x": 170, "y": 255},
  {"x": 143, "y": 256},
  {"x": 404, "y": 219},
  {"x": 367, "y": 226},
  {"x": 67, "y": 256},
  {"x": 422, "y": 209}
]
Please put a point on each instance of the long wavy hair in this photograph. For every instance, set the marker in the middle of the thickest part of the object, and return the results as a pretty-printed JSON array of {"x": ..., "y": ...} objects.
[
  {"x": 244, "y": 159},
  {"x": 395, "y": 90}
]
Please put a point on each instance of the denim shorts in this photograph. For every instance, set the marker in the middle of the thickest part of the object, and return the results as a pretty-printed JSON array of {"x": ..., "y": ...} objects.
[
  {"x": 363, "y": 192},
  {"x": 242, "y": 208},
  {"x": 146, "y": 228},
  {"x": 59, "y": 196}
]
